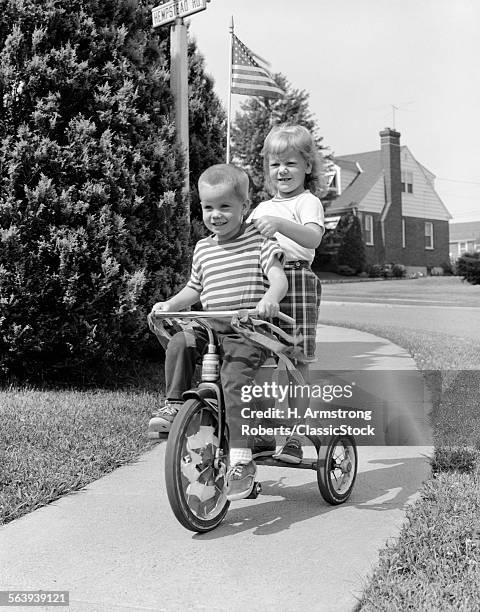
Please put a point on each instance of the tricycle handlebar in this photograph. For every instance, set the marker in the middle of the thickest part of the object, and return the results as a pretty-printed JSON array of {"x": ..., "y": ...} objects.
[{"x": 213, "y": 314}]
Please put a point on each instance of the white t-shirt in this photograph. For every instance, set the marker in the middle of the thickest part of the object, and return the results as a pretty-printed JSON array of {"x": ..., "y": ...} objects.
[{"x": 303, "y": 208}]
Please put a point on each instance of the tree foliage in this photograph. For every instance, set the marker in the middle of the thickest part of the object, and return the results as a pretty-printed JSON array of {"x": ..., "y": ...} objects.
[
  {"x": 256, "y": 118},
  {"x": 92, "y": 217},
  {"x": 468, "y": 266}
]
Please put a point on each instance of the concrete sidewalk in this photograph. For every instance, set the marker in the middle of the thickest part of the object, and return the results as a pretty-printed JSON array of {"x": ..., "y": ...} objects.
[{"x": 116, "y": 545}]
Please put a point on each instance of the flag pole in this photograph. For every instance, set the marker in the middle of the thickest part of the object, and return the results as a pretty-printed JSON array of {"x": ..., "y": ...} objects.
[{"x": 229, "y": 107}]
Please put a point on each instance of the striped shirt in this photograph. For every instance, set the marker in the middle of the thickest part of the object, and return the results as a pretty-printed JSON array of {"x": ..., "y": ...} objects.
[{"x": 233, "y": 274}]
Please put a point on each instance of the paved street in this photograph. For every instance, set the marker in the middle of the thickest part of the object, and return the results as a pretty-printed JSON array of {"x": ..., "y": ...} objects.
[
  {"x": 116, "y": 545},
  {"x": 453, "y": 320}
]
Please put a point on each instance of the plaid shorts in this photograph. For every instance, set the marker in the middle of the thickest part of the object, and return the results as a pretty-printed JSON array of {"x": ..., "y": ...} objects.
[{"x": 302, "y": 303}]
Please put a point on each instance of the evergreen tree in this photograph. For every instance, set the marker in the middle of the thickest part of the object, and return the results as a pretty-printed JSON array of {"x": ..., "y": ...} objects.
[
  {"x": 92, "y": 227},
  {"x": 258, "y": 115},
  {"x": 351, "y": 251},
  {"x": 207, "y": 125}
]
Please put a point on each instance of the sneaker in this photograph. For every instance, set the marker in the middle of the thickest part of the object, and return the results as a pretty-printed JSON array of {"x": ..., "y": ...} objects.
[
  {"x": 162, "y": 419},
  {"x": 240, "y": 480},
  {"x": 263, "y": 446},
  {"x": 291, "y": 451}
]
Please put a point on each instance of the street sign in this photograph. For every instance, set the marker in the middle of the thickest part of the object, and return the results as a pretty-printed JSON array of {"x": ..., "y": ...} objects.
[{"x": 169, "y": 11}]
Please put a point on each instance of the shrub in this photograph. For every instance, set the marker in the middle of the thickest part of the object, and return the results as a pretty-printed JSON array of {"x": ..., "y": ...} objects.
[
  {"x": 387, "y": 271},
  {"x": 399, "y": 270},
  {"x": 324, "y": 261},
  {"x": 436, "y": 271},
  {"x": 468, "y": 266},
  {"x": 92, "y": 215},
  {"x": 351, "y": 252},
  {"x": 375, "y": 271},
  {"x": 448, "y": 269},
  {"x": 346, "y": 271}
]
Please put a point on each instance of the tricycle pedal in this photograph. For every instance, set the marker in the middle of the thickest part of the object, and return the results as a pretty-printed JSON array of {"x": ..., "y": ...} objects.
[{"x": 255, "y": 492}]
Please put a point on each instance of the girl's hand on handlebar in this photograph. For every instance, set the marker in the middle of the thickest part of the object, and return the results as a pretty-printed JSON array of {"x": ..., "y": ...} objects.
[{"x": 267, "y": 308}]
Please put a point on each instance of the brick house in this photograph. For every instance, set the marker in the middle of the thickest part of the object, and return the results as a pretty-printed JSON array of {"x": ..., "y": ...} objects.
[
  {"x": 464, "y": 238},
  {"x": 402, "y": 217}
]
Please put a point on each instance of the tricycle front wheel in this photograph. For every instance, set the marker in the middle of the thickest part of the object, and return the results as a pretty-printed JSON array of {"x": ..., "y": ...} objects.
[
  {"x": 337, "y": 468},
  {"x": 194, "y": 472}
]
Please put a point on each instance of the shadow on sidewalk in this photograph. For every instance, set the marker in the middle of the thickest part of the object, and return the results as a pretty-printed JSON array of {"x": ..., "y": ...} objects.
[{"x": 385, "y": 488}]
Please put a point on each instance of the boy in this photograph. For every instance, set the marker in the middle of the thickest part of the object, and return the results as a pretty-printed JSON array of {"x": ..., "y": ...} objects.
[{"x": 234, "y": 268}]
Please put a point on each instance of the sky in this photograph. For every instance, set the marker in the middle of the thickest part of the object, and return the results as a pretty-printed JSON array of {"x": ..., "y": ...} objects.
[{"x": 357, "y": 58}]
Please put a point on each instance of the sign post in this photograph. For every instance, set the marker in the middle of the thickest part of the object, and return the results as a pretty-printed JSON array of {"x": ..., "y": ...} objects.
[
  {"x": 179, "y": 87},
  {"x": 172, "y": 12}
]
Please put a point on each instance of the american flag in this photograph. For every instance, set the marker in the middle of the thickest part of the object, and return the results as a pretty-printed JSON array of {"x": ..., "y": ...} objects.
[{"x": 249, "y": 77}]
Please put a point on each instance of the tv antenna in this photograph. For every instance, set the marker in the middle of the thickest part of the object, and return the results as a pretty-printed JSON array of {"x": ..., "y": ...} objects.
[{"x": 398, "y": 108}]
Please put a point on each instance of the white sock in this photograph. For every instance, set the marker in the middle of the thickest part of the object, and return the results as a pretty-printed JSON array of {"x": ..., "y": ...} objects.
[{"x": 240, "y": 455}]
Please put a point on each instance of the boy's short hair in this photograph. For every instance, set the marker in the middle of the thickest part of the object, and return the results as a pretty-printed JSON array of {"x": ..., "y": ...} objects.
[{"x": 227, "y": 174}]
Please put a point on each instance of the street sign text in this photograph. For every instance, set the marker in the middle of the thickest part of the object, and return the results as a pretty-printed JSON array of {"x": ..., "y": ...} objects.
[{"x": 165, "y": 13}]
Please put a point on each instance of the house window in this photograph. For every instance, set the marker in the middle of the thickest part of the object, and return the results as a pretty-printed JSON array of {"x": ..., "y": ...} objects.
[
  {"x": 407, "y": 182},
  {"x": 466, "y": 247},
  {"x": 368, "y": 233},
  {"x": 334, "y": 183},
  {"x": 403, "y": 234},
  {"x": 428, "y": 235}
]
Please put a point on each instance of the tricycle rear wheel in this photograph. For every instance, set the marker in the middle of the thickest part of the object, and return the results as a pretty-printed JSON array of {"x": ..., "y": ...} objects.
[{"x": 337, "y": 468}]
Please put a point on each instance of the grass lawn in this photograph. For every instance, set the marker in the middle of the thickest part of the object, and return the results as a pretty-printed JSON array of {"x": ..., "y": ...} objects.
[
  {"x": 55, "y": 442},
  {"x": 450, "y": 290},
  {"x": 435, "y": 564}
]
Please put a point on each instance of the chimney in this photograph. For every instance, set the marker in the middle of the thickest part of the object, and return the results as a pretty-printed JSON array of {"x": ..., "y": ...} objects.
[{"x": 392, "y": 214}]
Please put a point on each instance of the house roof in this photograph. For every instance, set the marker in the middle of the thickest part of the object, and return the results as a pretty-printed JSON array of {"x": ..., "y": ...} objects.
[
  {"x": 368, "y": 170},
  {"x": 371, "y": 165},
  {"x": 468, "y": 230},
  {"x": 346, "y": 164}
]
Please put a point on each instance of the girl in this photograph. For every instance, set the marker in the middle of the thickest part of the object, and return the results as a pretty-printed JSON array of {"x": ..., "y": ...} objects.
[{"x": 293, "y": 173}]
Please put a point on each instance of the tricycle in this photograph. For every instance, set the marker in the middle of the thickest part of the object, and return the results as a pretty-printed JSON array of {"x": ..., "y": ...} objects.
[{"x": 196, "y": 460}]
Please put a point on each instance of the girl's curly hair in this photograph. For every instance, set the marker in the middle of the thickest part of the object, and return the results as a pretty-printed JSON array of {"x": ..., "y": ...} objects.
[{"x": 285, "y": 137}]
